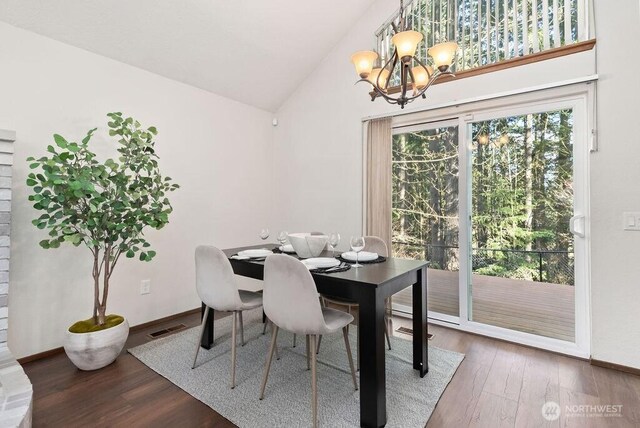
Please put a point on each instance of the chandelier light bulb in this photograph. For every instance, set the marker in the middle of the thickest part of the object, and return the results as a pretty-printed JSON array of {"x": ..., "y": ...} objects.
[
  {"x": 382, "y": 81},
  {"x": 420, "y": 76},
  {"x": 443, "y": 54},
  {"x": 406, "y": 43},
  {"x": 363, "y": 61}
]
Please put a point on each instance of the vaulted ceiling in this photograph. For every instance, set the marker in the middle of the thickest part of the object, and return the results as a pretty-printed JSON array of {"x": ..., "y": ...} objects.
[{"x": 253, "y": 51}]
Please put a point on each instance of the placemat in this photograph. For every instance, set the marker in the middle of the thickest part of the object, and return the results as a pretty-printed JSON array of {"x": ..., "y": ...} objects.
[{"x": 380, "y": 259}]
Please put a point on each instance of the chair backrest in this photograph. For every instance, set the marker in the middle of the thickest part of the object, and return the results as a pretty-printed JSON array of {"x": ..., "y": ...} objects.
[
  {"x": 374, "y": 244},
  {"x": 290, "y": 296},
  {"x": 215, "y": 282}
]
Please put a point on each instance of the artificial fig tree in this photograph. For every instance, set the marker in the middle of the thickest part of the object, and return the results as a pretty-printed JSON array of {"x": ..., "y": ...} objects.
[{"x": 103, "y": 205}]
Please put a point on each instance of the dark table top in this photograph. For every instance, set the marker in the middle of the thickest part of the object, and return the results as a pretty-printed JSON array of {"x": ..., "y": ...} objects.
[{"x": 374, "y": 274}]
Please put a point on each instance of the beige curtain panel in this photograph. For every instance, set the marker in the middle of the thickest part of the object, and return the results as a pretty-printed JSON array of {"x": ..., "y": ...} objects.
[{"x": 378, "y": 190}]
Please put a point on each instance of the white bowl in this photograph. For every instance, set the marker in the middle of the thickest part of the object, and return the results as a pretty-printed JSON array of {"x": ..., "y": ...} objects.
[{"x": 307, "y": 245}]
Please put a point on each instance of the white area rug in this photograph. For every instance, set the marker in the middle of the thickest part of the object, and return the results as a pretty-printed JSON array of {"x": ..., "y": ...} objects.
[{"x": 287, "y": 402}]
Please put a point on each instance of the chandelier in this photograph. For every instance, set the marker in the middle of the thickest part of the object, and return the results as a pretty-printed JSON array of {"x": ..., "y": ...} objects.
[{"x": 415, "y": 76}]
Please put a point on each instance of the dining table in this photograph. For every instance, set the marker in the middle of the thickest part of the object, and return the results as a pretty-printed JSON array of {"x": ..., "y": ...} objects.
[{"x": 369, "y": 286}]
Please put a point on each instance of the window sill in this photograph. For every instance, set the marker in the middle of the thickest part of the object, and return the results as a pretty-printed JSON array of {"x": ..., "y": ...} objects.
[{"x": 510, "y": 63}]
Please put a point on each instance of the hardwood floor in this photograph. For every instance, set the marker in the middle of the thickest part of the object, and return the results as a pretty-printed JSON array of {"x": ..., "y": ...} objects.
[{"x": 497, "y": 385}]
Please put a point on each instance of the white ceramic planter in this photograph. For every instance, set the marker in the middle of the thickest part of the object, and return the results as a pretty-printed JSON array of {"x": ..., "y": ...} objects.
[{"x": 92, "y": 351}]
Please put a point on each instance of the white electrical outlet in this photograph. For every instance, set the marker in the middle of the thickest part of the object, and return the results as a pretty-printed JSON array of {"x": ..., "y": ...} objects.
[
  {"x": 631, "y": 221},
  {"x": 145, "y": 286}
]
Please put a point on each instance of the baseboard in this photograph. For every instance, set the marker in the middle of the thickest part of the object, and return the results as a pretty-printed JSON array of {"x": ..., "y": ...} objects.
[
  {"x": 40, "y": 355},
  {"x": 614, "y": 366},
  {"x": 56, "y": 351}
]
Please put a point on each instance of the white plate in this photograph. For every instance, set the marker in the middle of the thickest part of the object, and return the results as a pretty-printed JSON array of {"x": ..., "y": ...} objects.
[
  {"x": 363, "y": 256},
  {"x": 320, "y": 262},
  {"x": 255, "y": 253},
  {"x": 287, "y": 248}
]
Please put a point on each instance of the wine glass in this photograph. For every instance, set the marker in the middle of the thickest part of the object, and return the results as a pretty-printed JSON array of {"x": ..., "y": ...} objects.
[
  {"x": 334, "y": 240},
  {"x": 264, "y": 233},
  {"x": 282, "y": 238},
  {"x": 357, "y": 245}
]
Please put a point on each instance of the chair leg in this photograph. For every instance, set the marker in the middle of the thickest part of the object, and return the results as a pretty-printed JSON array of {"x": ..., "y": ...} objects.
[
  {"x": 241, "y": 328},
  {"x": 308, "y": 353},
  {"x": 204, "y": 322},
  {"x": 264, "y": 326},
  {"x": 267, "y": 366},
  {"x": 294, "y": 339},
  {"x": 386, "y": 331},
  {"x": 233, "y": 350},
  {"x": 318, "y": 347},
  {"x": 314, "y": 384},
  {"x": 348, "y": 346}
]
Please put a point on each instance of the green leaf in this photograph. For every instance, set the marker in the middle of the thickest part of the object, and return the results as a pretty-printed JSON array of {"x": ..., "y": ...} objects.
[{"x": 60, "y": 141}]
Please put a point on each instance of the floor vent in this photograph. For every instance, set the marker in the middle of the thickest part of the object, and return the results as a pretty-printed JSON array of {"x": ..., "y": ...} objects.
[
  {"x": 166, "y": 331},
  {"x": 406, "y": 330}
]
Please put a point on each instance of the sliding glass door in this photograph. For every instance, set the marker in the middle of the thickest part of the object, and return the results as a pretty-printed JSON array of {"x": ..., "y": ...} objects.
[
  {"x": 522, "y": 203},
  {"x": 496, "y": 202},
  {"x": 425, "y": 221}
]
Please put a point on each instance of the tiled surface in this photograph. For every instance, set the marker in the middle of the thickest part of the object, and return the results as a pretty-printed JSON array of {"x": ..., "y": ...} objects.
[
  {"x": 15, "y": 388},
  {"x": 5, "y": 229}
]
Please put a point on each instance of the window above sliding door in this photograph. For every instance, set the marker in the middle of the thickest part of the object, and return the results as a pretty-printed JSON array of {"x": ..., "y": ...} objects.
[{"x": 492, "y": 31}]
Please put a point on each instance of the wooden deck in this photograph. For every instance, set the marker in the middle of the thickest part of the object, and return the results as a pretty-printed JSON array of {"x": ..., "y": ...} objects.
[{"x": 532, "y": 307}]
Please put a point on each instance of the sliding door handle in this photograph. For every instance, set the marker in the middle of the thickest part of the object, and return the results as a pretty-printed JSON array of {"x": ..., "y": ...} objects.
[{"x": 572, "y": 226}]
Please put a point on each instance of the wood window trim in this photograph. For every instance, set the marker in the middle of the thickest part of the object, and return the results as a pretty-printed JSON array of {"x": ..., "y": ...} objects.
[{"x": 510, "y": 63}]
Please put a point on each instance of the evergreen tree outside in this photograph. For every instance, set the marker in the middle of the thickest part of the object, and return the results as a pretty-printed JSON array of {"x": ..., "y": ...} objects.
[{"x": 521, "y": 198}]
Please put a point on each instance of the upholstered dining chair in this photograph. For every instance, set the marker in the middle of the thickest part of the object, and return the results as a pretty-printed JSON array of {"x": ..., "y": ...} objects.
[
  {"x": 372, "y": 244},
  {"x": 291, "y": 303},
  {"x": 218, "y": 290}
]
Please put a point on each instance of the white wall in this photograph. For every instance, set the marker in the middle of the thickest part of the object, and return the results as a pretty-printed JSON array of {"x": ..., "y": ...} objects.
[
  {"x": 218, "y": 150},
  {"x": 615, "y": 174},
  {"x": 318, "y": 155}
]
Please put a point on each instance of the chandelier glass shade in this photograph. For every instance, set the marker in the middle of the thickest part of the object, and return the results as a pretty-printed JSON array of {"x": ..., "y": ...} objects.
[{"x": 415, "y": 76}]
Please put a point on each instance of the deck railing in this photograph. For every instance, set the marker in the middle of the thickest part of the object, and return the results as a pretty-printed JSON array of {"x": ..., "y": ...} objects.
[
  {"x": 552, "y": 266},
  {"x": 490, "y": 31}
]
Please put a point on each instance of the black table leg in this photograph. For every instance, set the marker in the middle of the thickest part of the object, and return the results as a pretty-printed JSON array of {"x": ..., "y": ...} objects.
[
  {"x": 420, "y": 361},
  {"x": 373, "y": 399},
  {"x": 207, "y": 336}
]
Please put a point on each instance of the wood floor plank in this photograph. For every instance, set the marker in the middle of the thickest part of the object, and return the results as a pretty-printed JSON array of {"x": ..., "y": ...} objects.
[
  {"x": 494, "y": 411},
  {"x": 506, "y": 374},
  {"x": 457, "y": 405},
  {"x": 540, "y": 384}
]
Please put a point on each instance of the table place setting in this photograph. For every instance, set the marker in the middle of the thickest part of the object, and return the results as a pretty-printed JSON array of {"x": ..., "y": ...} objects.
[
  {"x": 325, "y": 265},
  {"x": 254, "y": 255},
  {"x": 364, "y": 257}
]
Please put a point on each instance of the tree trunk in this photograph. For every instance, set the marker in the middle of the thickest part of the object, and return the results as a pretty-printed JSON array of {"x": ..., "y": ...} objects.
[
  {"x": 402, "y": 193},
  {"x": 528, "y": 179},
  {"x": 102, "y": 308},
  {"x": 96, "y": 283}
]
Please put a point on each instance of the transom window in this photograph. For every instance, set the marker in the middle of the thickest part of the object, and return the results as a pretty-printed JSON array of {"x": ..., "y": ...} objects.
[{"x": 490, "y": 31}]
